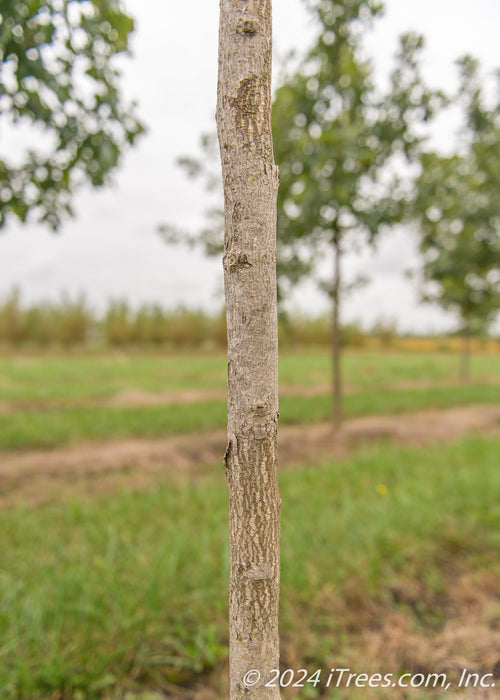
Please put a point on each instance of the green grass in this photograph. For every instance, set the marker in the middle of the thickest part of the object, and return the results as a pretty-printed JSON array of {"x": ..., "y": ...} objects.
[
  {"x": 75, "y": 379},
  {"x": 42, "y": 377},
  {"x": 308, "y": 409},
  {"x": 69, "y": 377},
  {"x": 129, "y": 590},
  {"x": 372, "y": 368},
  {"x": 53, "y": 427}
]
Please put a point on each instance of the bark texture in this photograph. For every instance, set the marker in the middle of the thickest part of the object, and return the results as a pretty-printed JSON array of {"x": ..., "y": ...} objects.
[
  {"x": 250, "y": 187},
  {"x": 336, "y": 344}
]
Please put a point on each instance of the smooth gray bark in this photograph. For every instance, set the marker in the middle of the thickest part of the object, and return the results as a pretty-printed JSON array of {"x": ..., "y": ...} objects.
[{"x": 250, "y": 180}]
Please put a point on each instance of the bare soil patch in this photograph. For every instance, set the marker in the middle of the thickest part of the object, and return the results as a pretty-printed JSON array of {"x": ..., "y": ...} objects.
[
  {"x": 468, "y": 639},
  {"x": 131, "y": 398},
  {"x": 146, "y": 398},
  {"x": 89, "y": 468},
  {"x": 386, "y": 639}
]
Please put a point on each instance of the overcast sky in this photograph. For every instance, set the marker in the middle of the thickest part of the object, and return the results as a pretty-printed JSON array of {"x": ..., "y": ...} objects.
[{"x": 111, "y": 249}]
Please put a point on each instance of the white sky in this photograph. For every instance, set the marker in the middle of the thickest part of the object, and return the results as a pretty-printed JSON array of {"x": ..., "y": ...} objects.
[{"x": 112, "y": 250}]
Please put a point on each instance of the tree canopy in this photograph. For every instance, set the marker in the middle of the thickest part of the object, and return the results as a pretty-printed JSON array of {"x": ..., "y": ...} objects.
[
  {"x": 457, "y": 210},
  {"x": 337, "y": 138},
  {"x": 334, "y": 136},
  {"x": 339, "y": 141},
  {"x": 58, "y": 78}
]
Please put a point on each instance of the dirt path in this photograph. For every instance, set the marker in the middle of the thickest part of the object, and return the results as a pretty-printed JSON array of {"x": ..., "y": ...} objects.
[
  {"x": 136, "y": 398},
  {"x": 387, "y": 640},
  {"x": 131, "y": 398},
  {"x": 87, "y": 468}
]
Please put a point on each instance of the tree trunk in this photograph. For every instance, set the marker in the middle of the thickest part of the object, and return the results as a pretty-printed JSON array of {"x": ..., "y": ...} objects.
[
  {"x": 336, "y": 371},
  {"x": 250, "y": 180},
  {"x": 465, "y": 355}
]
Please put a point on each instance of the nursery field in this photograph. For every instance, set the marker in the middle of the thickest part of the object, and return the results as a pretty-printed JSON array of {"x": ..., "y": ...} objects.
[
  {"x": 113, "y": 537},
  {"x": 48, "y": 401}
]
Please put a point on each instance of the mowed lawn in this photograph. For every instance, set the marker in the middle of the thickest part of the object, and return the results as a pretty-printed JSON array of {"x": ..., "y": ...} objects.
[
  {"x": 47, "y": 401},
  {"x": 126, "y": 593}
]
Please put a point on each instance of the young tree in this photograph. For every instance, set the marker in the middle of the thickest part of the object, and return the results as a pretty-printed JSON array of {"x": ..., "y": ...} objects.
[
  {"x": 57, "y": 76},
  {"x": 457, "y": 210},
  {"x": 250, "y": 180},
  {"x": 340, "y": 143},
  {"x": 337, "y": 141}
]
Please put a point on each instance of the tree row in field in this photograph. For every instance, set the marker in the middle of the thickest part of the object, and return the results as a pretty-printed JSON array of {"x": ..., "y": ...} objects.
[{"x": 72, "y": 322}]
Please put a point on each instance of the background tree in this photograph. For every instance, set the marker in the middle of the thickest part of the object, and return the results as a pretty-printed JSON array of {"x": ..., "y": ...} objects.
[
  {"x": 57, "y": 77},
  {"x": 250, "y": 185},
  {"x": 339, "y": 144},
  {"x": 457, "y": 209}
]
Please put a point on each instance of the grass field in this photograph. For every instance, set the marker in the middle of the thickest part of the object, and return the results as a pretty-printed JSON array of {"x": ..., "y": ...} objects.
[
  {"x": 57, "y": 426},
  {"x": 122, "y": 595},
  {"x": 50, "y": 401},
  {"x": 42, "y": 377},
  {"x": 129, "y": 591}
]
